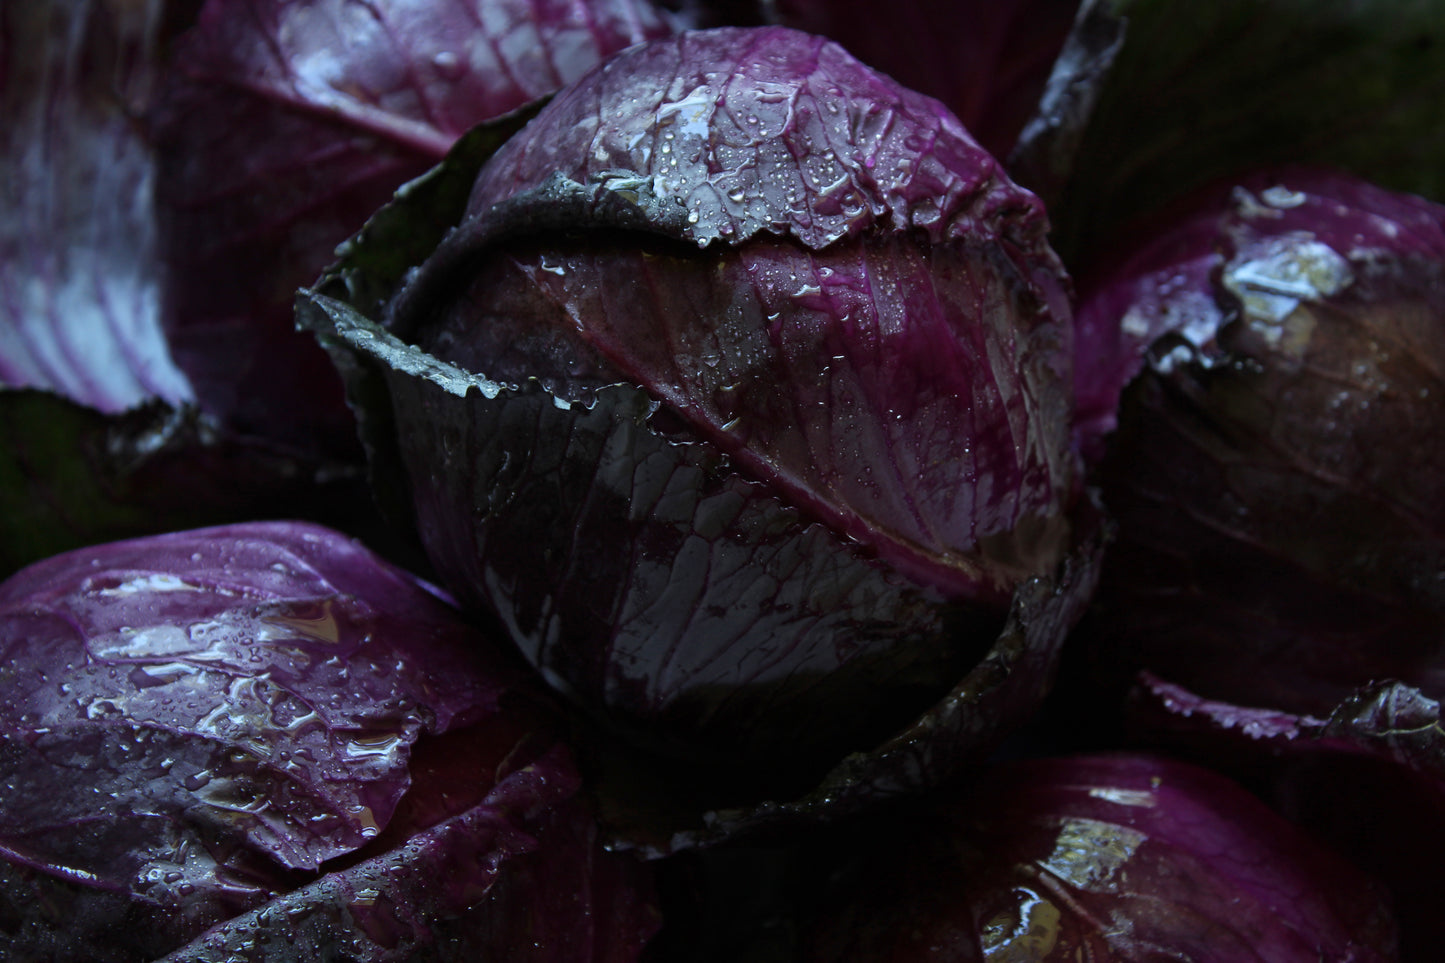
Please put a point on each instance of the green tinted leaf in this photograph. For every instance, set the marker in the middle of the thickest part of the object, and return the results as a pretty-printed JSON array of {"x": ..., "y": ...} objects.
[
  {"x": 72, "y": 476},
  {"x": 406, "y": 230}
]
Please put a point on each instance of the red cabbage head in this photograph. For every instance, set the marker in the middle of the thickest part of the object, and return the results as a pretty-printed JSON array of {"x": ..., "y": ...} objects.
[{"x": 739, "y": 392}]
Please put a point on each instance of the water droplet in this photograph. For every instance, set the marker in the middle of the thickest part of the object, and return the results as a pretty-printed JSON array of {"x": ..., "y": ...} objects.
[
  {"x": 102, "y": 709},
  {"x": 383, "y": 744},
  {"x": 448, "y": 64},
  {"x": 156, "y": 640},
  {"x": 1281, "y": 196}
]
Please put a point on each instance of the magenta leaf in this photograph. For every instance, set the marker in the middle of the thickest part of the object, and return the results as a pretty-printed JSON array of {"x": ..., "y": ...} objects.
[
  {"x": 259, "y": 719},
  {"x": 80, "y": 279}
]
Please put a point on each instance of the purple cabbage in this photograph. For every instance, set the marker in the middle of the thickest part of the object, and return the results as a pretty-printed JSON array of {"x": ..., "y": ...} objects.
[
  {"x": 264, "y": 734},
  {"x": 904, "y": 388},
  {"x": 1275, "y": 474},
  {"x": 746, "y": 409},
  {"x": 1368, "y": 778},
  {"x": 1106, "y": 856}
]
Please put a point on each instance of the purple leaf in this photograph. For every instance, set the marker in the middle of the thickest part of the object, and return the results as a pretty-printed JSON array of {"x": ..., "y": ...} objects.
[
  {"x": 205, "y": 723},
  {"x": 1119, "y": 857},
  {"x": 80, "y": 282},
  {"x": 1367, "y": 777}
]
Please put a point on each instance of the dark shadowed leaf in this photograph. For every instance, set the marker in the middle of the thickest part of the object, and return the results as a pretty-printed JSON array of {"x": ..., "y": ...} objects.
[
  {"x": 1205, "y": 91},
  {"x": 72, "y": 476},
  {"x": 987, "y": 60}
]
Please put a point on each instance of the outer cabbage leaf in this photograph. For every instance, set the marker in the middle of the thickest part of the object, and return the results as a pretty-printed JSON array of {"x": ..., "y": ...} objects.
[
  {"x": 1120, "y": 857},
  {"x": 100, "y": 439},
  {"x": 1044, "y": 155},
  {"x": 231, "y": 721},
  {"x": 80, "y": 281},
  {"x": 657, "y": 807},
  {"x": 550, "y": 895},
  {"x": 642, "y": 544}
]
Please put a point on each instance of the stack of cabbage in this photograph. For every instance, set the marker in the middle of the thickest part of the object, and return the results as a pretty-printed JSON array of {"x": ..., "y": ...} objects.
[{"x": 730, "y": 457}]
